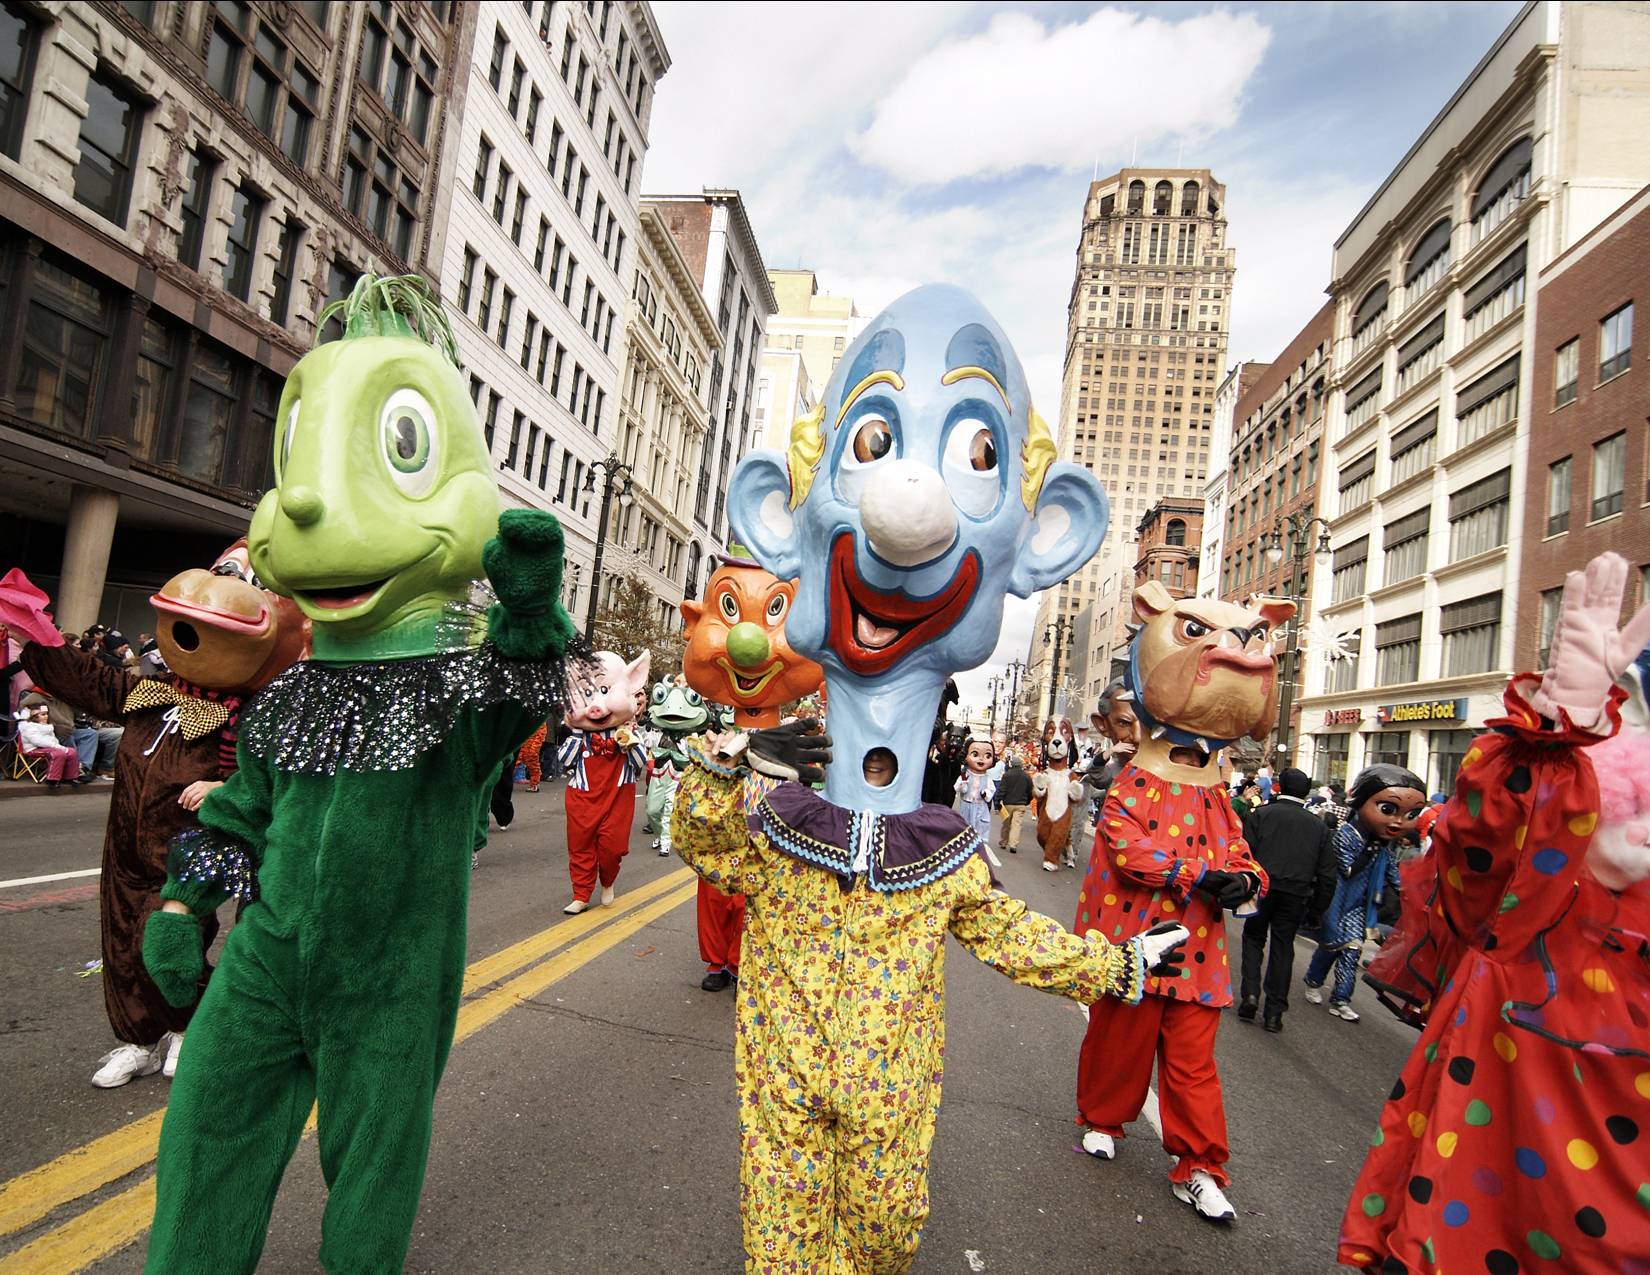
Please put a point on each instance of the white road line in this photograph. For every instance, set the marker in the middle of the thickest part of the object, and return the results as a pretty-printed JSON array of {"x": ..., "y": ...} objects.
[
  {"x": 56, "y": 876},
  {"x": 1151, "y": 1113}
]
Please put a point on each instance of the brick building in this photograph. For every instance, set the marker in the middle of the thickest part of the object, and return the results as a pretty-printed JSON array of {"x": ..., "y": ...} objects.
[
  {"x": 1587, "y": 487},
  {"x": 1168, "y": 539},
  {"x": 1235, "y": 385}
]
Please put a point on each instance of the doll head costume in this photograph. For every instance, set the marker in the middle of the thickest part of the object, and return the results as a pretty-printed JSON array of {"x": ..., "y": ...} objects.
[
  {"x": 359, "y": 775},
  {"x": 919, "y": 494}
]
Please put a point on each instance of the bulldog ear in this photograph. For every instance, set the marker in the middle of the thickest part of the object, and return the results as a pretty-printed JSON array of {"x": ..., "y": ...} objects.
[
  {"x": 1275, "y": 611},
  {"x": 636, "y": 671},
  {"x": 1151, "y": 599},
  {"x": 759, "y": 511},
  {"x": 1066, "y": 529}
]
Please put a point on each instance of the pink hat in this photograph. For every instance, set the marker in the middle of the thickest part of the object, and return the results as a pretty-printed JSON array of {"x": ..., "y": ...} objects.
[{"x": 1622, "y": 764}]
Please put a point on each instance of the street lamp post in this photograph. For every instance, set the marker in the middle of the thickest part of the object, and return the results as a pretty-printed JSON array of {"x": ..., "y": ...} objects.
[
  {"x": 1015, "y": 668},
  {"x": 1300, "y": 529},
  {"x": 1055, "y": 635},
  {"x": 995, "y": 686},
  {"x": 615, "y": 476}
]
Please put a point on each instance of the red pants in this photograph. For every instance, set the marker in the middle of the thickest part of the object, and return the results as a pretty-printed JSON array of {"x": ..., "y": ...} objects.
[
  {"x": 721, "y": 926},
  {"x": 529, "y": 756},
  {"x": 1114, "y": 1071},
  {"x": 598, "y": 825},
  {"x": 61, "y": 763}
]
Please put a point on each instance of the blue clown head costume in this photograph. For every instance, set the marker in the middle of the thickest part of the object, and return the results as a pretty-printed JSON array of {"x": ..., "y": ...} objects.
[{"x": 916, "y": 497}]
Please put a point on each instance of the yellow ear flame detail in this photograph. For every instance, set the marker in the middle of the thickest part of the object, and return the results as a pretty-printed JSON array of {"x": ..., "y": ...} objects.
[
  {"x": 1037, "y": 455},
  {"x": 806, "y": 450}
]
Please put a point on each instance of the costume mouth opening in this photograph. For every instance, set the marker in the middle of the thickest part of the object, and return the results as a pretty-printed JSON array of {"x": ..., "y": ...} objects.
[
  {"x": 675, "y": 721},
  {"x": 1189, "y": 755},
  {"x": 746, "y": 684},
  {"x": 343, "y": 597},
  {"x": 873, "y": 629},
  {"x": 185, "y": 636}
]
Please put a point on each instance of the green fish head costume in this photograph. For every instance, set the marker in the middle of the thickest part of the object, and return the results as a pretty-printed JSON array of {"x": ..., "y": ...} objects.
[{"x": 383, "y": 496}]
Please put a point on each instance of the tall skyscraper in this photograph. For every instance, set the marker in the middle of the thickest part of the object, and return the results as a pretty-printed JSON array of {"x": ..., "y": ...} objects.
[
  {"x": 806, "y": 338},
  {"x": 1145, "y": 352}
]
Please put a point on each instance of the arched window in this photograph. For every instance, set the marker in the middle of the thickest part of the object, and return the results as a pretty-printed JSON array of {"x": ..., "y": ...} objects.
[
  {"x": 1137, "y": 197},
  {"x": 1428, "y": 262},
  {"x": 1161, "y": 198},
  {"x": 1188, "y": 199},
  {"x": 1504, "y": 187},
  {"x": 1175, "y": 532}
]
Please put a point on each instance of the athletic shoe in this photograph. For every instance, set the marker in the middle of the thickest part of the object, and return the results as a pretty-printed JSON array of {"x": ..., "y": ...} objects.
[
  {"x": 576, "y": 906},
  {"x": 1050, "y": 867},
  {"x": 475, "y": 859},
  {"x": 174, "y": 1047},
  {"x": 1203, "y": 1193},
  {"x": 1247, "y": 1009},
  {"x": 715, "y": 981},
  {"x": 607, "y": 896},
  {"x": 1314, "y": 995},
  {"x": 1102, "y": 1146},
  {"x": 126, "y": 1061},
  {"x": 532, "y": 787},
  {"x": 1343, "y": 1011}
]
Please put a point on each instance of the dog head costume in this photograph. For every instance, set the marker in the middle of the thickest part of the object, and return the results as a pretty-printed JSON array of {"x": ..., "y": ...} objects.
[{"x": 911, "y": 502}]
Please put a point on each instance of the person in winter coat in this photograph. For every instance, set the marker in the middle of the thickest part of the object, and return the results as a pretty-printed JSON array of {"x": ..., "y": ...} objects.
[
  {"x": 1013, "y": 796},
  {"x": 1297, "y": 850},
  {"x": 1385, "y": 801}
]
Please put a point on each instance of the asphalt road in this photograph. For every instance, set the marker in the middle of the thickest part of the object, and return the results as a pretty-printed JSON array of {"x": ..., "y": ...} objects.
[{"x": 586, "y": 1120}]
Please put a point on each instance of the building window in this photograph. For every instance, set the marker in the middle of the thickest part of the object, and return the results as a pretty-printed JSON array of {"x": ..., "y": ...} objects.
[
  {"x": 245, "y": 210},
  {"x": 1390, "y": 748},
  {"x": 507, "y": 303},
  {"x": 1615, "y": 343},
  {"x": 1609, "y": 475},
  {"x": 1398, "y": 651},
  {"x": 1332, "y": 752},
  {"x": 1347, "y": 579},
  {"x": 199, "y": 169},
  {"x": 1418, "y": 358},
  {"x": 17, "y": 49},
  {"x": 1472, "y": 635},
  {"x": 1414, "y": 447},
  {"x": 484, "y": 309},
  {"x": 1369, "y": 319},
  {"x": 484, "y": 165},
  {"x": 1487, "y": 404},
  {"x": 1362, "y": 401},
  {"x": 511, "y": 453},
  {"x": 1505, "y": 186},
  {"x": 376, "y": 191},
  {"x": 1342, "y": 674},
  {"x": 279, "y": 93},
  {"x": 397, "y": 68},
  {"x": 1478, "y": 517},
  {"x": 150, "y": 385},
  {"x": 108, "y": 149},
  {"x": 1406, "y": 546},
  {"x": 286, "y": 266},
  {"x": 1552, "y": 602},
  {"x": 65, "y": 337},
  {"x": 1566, "y": 372},
  {"x": 1495, "y": 296},
  {"x": 1448, "y": 748},
  {"x": 467, "y": 278},
  {"x": 1175, "y": 532},
  {"x": 1427, "y": 263},
  {"x": 210, "y": 402},
  {"x": 1358, "y": 482},
  {"x": 1558, "y": 497},
  {"x": 490, "y": 423}
]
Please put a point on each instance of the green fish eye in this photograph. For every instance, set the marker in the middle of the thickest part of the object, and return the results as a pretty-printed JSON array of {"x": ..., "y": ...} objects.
[{"x": 407, "y": 427}]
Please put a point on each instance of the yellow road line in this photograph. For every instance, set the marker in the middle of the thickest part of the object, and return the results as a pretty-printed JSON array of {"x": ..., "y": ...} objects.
[
  {"x": 121, "y": 1219},
  {"x": 30, "y": 1196}
]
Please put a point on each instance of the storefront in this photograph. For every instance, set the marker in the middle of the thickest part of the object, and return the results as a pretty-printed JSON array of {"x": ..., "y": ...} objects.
[{"x": 1429, "y": 737}]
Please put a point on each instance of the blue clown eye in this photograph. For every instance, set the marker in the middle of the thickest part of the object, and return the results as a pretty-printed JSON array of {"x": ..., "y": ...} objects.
[{"x": 971, "y": 466}]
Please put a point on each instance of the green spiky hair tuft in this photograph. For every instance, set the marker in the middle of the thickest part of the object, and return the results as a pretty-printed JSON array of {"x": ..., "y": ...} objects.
[{"x": 394, "y": 305}]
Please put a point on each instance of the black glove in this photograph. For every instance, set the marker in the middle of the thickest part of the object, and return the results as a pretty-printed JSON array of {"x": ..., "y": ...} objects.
[
  {"x": 1229, "y": 889},
  {"x": 1169, "y": 962},
  {"x": 792, "y": 751}
]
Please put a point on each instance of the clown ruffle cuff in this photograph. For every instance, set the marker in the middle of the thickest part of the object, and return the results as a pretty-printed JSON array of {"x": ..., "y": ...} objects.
[
  {"x": 205, "y": 867},
  {"x": 1131, "y": 975},
  {"x": 696, "y": 752},
  {"x": 319, "y": 718}
]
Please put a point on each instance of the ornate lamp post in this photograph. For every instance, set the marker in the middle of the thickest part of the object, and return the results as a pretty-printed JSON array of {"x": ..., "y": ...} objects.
[
  {"x": 1055, "y": 635},
  {"x": 1300, "y": 530},
  {"x": 615, "y": 477}
]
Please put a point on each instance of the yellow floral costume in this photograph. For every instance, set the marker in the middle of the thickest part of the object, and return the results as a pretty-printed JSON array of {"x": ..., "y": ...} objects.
[{"x": 841, "y": 1018}]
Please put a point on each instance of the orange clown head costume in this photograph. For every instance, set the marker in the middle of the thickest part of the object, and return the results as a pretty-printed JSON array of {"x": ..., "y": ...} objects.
[{"x": 1169, "y": 846}]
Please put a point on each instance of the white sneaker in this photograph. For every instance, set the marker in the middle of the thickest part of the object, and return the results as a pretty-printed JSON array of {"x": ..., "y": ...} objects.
[
  {"x": 1314, "y": 995},
  {"x": 125, "y": 1061},
  {"x": 575, "y": 907},
  {"x": 607, "y": 896},
  {"x": 174, "y": 1047},
  {"x": 1102, "y": 1146},
  {"x": 1050, "y": 867},
  {"x": 1203, "y": 1193},
  {"x": 1343, "y": 1011}
]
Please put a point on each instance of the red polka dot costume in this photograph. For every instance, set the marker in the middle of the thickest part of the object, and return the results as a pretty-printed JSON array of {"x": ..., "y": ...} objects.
[
  {"x": 1517, "y": 1137},
  {"x": 1155, "y": 842}
]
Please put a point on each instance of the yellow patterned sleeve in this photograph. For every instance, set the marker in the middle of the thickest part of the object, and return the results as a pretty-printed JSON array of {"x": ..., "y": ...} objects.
[
  {"x": 708, "y": 828},
  {"x": 1037, "y": 951}
]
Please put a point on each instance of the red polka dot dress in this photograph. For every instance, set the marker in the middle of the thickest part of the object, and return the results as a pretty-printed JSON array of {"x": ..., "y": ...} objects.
[{"x": 1517, "y": 1137}]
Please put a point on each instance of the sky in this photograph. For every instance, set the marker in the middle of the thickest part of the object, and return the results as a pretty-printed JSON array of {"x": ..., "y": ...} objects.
[{"x": 884, "y": 145}]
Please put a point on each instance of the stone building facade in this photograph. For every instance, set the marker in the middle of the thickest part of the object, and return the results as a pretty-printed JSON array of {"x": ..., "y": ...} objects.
[
  {"x": 182, "y": 188},
  {"x": 1233, "y": 386}
]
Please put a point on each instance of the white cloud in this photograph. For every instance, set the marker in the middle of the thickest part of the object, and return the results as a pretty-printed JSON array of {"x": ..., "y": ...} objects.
[{"x": 1020, "y": 94}]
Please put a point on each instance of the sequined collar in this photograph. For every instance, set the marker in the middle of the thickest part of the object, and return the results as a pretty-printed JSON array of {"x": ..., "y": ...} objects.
[
  {"x": 319, "y": 718},
  {"x": 908, "y": 850}
]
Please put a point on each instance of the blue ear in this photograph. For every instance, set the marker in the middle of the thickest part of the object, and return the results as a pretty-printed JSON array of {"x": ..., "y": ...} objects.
[
  {"x": 759, "y": 512},
  {"x": 1065, "y": 532}
]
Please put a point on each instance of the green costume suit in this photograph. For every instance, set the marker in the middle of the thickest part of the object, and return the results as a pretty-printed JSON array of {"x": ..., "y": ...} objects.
[{"x": 350, "y": 823}]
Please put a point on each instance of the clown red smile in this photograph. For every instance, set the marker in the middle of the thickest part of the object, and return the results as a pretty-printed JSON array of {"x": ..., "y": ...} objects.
[{"x": 872, "y": 629}]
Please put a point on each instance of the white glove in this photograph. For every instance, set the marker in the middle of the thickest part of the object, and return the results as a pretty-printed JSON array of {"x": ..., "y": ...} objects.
[{"x": 1154, "y": 946}]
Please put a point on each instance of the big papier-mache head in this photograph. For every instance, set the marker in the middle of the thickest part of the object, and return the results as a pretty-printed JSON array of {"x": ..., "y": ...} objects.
[
  {"x": 384, "y": 495},
  {"x": 219, "y": 627},
  {"x": 737, "y": 653},
  {"x": 676, "y": 708},
  {"x": 916, "y": 497},
  {"x": 602, "y": 693},
  {"x": 1201, "y": 673}
]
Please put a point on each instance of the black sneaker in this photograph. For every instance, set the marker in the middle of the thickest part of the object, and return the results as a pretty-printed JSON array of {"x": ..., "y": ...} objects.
[
  {"x": 715, "y": 981},
  {"x": 1247, "y": 1009},
  {"x": 1273, "y": 1022}
]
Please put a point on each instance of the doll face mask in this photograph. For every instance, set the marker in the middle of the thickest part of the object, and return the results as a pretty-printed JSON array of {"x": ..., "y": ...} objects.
[
  {"x": 1390, "y": 813},
  {"x": 981, "y": 757},
  {"x": 911, "y": 502}
]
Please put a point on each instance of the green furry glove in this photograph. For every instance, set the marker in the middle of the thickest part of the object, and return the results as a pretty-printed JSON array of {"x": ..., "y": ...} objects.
[
  {"x": 172, "y": 954},
  {"x": 524, "y": 564}
]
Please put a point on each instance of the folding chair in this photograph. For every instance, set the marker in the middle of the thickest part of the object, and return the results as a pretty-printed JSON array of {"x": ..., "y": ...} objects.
[{"x": 19, "y": 765}]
